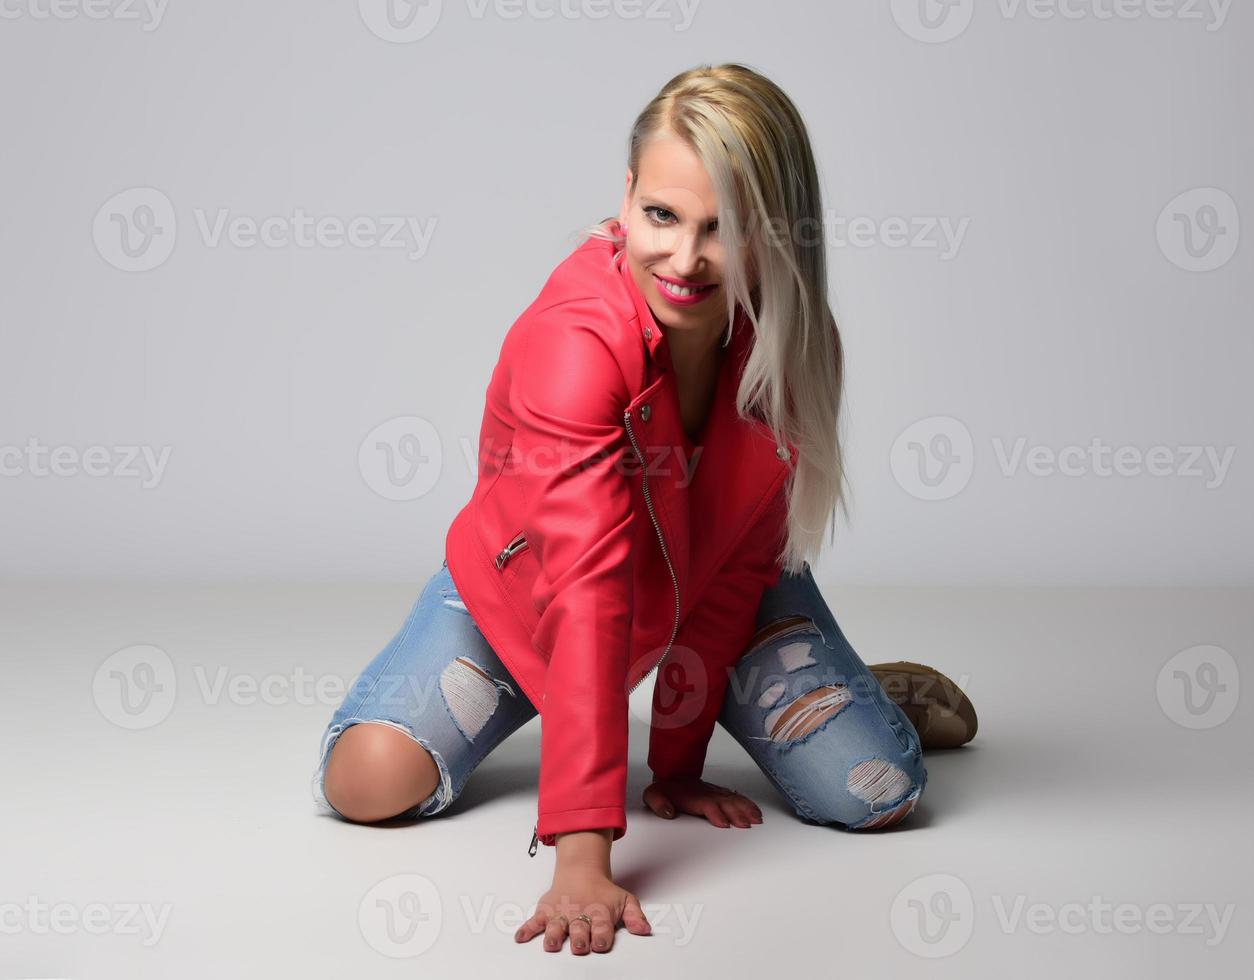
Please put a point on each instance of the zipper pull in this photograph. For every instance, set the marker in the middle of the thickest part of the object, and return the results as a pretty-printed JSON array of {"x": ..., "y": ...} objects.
[
  {"x": 515, "y": 546},
  {"x": 535, "y": 838}
]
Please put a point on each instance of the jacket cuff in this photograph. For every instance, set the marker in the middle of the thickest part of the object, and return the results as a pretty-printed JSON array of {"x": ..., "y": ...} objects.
[
  {"x": 564, "y": 821},
  {"x": 687, "y": 771}
]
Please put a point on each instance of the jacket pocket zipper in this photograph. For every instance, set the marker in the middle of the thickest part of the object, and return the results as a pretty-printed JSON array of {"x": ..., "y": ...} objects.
[{"x": 517, "y": 544}]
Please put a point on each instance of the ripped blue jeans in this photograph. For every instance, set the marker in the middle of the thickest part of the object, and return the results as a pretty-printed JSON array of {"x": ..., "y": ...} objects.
[{"x": 799, "y": 701}]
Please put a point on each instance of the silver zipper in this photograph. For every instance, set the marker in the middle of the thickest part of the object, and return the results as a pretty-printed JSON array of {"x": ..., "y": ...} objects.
[
  {"x": 516, "y": 545},
  {"x": 648, "y": 502},
  {"x": 535, "y": 837}
]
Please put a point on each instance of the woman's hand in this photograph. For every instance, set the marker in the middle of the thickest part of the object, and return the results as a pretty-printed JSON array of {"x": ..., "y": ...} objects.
[
  {"x": 721, "y": 806},
  {"x": 589, "y": 891},
  {"x": 582, "y": 884}
]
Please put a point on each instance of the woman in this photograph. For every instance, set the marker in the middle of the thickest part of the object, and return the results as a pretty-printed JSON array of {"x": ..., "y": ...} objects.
[{"x": 658, "y": 459}]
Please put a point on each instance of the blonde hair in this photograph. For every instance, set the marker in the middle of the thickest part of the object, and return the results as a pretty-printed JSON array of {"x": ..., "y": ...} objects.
[{"x": 753, "y": 144}]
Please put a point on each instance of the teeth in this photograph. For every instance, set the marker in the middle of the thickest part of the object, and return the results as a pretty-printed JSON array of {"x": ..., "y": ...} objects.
[{"x": 678, "y": 290}]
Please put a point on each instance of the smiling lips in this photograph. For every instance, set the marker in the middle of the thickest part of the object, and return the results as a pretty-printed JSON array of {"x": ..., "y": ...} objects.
[{"x": 682, "y": 292}]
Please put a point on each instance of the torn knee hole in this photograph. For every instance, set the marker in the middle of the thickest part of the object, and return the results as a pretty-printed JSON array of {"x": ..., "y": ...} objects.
[
  {"x": 471, "y": 695},
  {"x": 885, "y": 787},
  {"x": 804, "y": 715}
]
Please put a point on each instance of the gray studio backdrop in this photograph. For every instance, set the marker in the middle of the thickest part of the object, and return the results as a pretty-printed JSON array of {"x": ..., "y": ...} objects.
[{"x": 258, "y": 260}]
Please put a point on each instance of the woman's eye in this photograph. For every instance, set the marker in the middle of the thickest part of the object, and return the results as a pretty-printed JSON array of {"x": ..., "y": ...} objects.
[{"x": 657, "y": 214}]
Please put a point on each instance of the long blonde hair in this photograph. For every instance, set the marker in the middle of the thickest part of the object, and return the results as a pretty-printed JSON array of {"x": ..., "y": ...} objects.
[{"x": 753, "y": 144}]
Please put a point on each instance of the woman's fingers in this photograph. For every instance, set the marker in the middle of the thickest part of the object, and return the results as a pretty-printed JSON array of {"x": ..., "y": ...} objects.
[
  {"x": 659, "y": 802},
  {"x": 555, "y": 932},
  {"x": 734, "y": 812},
  {"x": 633, "y": 917},
  {"x": 580, "y": 935},
  {"x": 714, "y": 813},
  {"x": 721, "y": 806},
  {"x": 597, "y": 935},
  {"x": 742, "y": 811},
  {"x": 602, "y": 931},
  {"x": 531, "y": 928}
]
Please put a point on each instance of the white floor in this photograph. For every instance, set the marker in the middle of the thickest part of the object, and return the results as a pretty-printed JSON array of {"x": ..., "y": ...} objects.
[{"x": 1086, "y": 832}]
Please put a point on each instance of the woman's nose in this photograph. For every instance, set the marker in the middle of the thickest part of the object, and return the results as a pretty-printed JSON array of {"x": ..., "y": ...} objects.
[{"x": 686, "y": 258}]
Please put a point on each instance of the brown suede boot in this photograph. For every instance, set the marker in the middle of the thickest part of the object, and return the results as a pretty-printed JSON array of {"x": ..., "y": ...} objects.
[{"x": 941, "y": 713}]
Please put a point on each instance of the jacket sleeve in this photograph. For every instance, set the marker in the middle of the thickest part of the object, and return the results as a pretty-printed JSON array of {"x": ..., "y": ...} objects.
[
  {"x": 568, "y": 395},
  {"x": 689, "y": 690}
]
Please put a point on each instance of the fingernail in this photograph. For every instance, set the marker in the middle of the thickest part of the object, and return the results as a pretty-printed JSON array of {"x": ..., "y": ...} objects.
[{"x": 668, "y": 812}]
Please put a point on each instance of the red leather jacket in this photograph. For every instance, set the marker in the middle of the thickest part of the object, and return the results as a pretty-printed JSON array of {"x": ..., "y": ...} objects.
[{"x": 599, "y": 540}]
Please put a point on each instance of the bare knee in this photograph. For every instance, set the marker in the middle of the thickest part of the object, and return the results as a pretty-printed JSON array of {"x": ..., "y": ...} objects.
[{"x": 376, "y": 772}]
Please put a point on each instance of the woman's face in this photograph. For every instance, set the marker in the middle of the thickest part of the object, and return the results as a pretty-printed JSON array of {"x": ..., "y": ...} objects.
[{"x": 673, "y": 249}]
